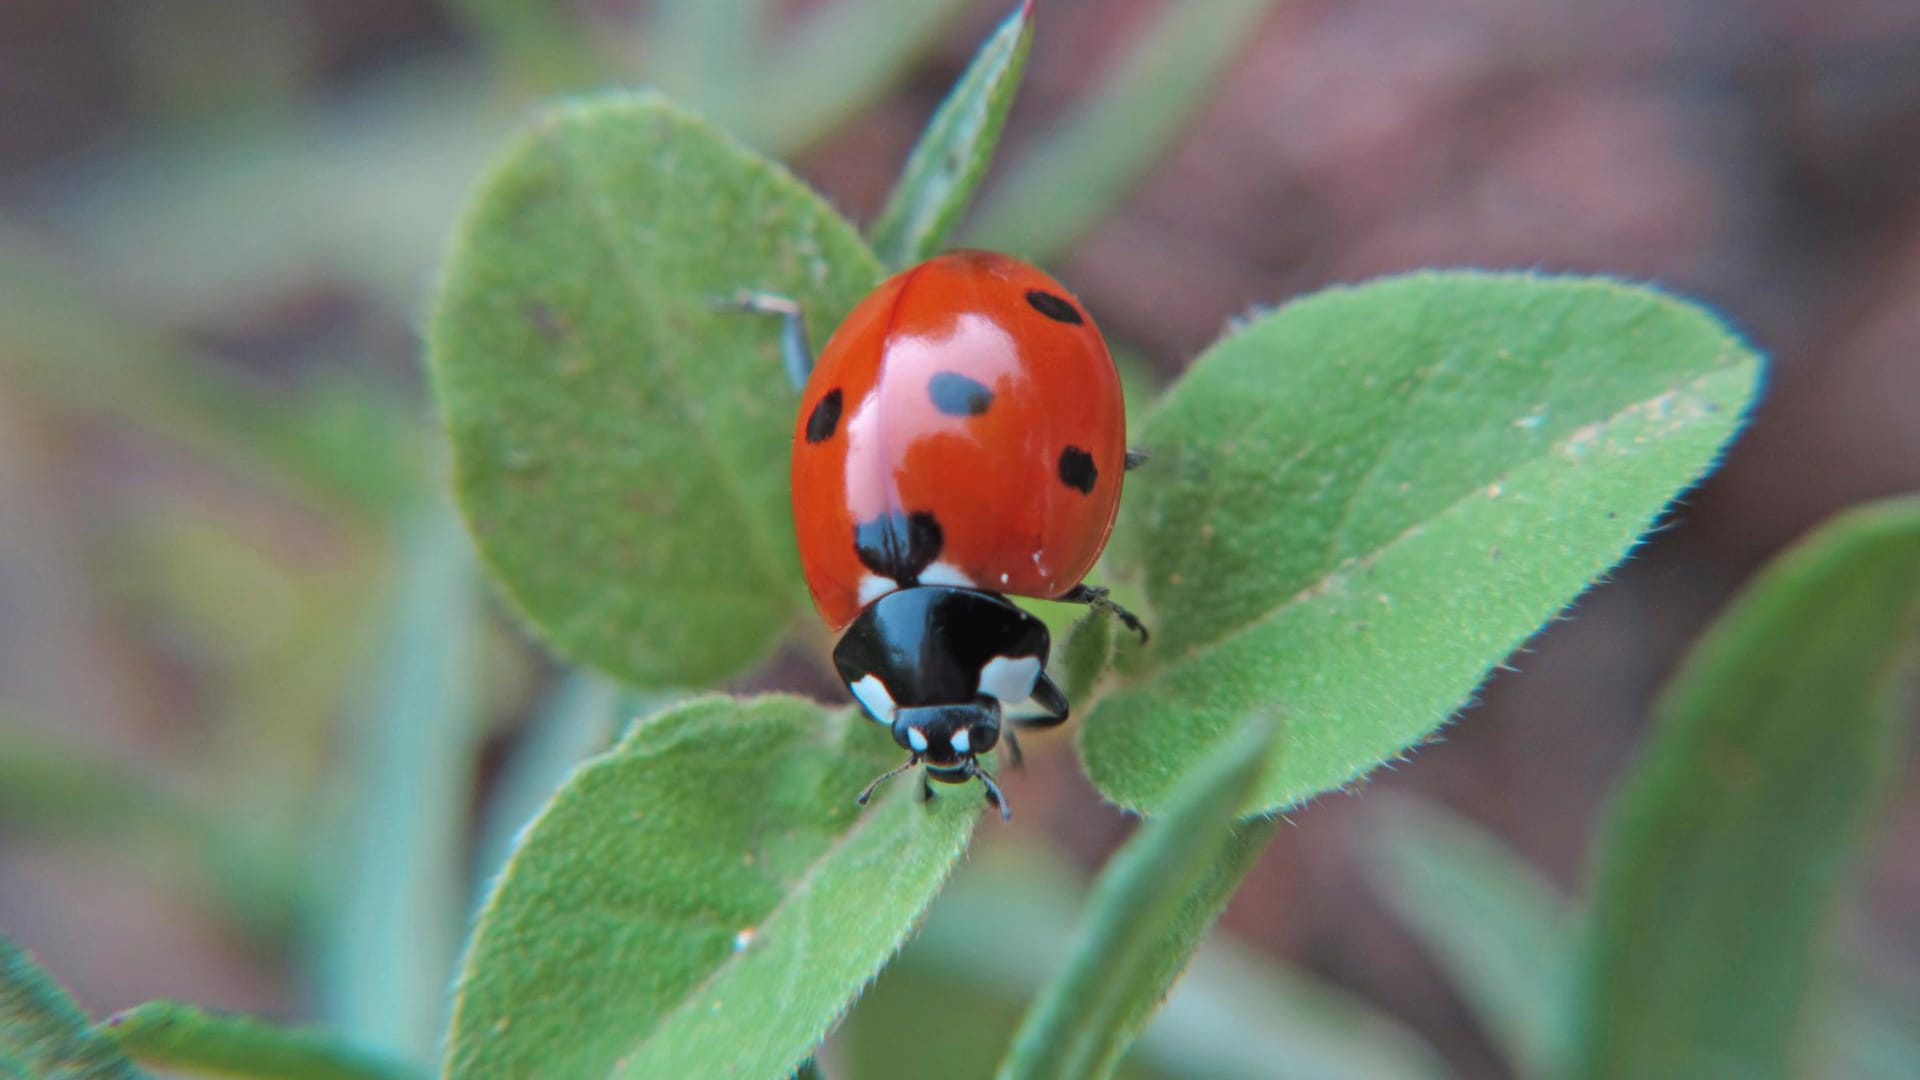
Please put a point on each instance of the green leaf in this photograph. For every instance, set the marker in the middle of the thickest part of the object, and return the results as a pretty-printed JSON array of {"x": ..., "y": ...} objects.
[
  {"x": 1359, "y": 504},
  {"x": 1497, "y": 929},
  {"x": 1134, "y": 942},
  {"x": 704, "y": 900},
  {"x": 174, "y": 1036},
  {"x": 1776, "y": 743},
  {"x": 620, "y": 445},
  {"x": 1078, "y": 172},
  {"x": 43, "y": 1033},
  {"x": 945, "y": 167},
  {"x": 395, "y": 934},
  {"x": 1084, "y": 656}
]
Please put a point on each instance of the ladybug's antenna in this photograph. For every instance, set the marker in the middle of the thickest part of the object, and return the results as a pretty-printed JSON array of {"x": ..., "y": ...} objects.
[{"x": 886, "y": 776}]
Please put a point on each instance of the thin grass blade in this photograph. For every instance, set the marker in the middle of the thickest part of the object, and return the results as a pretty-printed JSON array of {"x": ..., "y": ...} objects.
[
  {"x": 947, "y": 163},
  {"x": 1141, "y": 927}
]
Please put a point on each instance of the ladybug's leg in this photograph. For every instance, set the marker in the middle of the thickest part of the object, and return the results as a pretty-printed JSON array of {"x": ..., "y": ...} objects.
[
  {"x": 1047, "y": 696},
  {"x": 1014, "y": 758},
  {"x": 1135, "y": 459},
  {"x": 1096, "y": 597},
  {"x": 994, "y": 794},
  {"x": 795, "y": 353}
]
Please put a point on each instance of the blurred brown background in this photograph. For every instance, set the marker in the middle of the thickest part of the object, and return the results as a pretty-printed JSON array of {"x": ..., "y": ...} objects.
[{"x": 239, "y": 206}]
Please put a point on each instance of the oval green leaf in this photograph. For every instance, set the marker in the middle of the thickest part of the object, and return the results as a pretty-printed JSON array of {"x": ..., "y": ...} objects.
[
  {"x": 1777, "y": 742},
  {"x": 702, "y": 901},
  {"x": 945, "y": 167},
  {"x": 620, "y": 446},
  {"x": 1359, "y": 504}
]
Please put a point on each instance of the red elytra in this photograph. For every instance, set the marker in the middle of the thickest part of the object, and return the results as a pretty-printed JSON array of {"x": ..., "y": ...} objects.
[{"x": 963, "y": 427}]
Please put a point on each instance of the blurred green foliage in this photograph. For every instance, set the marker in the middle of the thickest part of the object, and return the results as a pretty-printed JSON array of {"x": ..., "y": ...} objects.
[{"x": 232, "y": 197}]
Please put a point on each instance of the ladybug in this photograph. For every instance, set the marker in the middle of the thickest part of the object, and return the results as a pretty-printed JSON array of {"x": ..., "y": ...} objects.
[{"x": 961, "y": 440}]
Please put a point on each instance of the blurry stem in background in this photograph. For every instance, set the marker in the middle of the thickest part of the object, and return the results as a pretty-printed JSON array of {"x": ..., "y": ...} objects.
[
  {"x": 1076, "y": 173},
  {"x": 539, "y": 44},
  {"x": 391, "y": 952},
  {"x": 1508, "y": 942},
  {"x": 1004, "y": 925},
  {"x": 1496, "y": 927},
  {"x": 704, "y": 52},
  {"x": 844, "y": 57},
  {"x": 580, "y": 718}
]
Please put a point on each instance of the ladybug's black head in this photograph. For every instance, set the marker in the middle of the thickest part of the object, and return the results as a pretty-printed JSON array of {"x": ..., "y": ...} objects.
[
  {"x": 944, "y": 669},
  {"x": 948, "y": 736}
]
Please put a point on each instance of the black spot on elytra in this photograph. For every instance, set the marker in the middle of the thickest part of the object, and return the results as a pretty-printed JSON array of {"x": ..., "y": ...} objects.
[
  {"x": 824, "y": 420},
  {"x": 1077, "y": 471},
  {"x": 957, "y": 395},
  {"x": 1054, "y": 307},
  {"x": 898, "y": 546}
]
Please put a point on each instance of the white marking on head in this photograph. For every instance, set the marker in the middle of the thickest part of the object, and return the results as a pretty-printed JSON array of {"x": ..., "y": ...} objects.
[
  {"x": 873, "y": 587},
  {"x": 1004, "y": 578},
  {"x": 945, "y": 573},
  {"x": 962, "y": 742},
  {"x": 917, "y": 739},
  {"x": 1009, "y": 679},
  {"x": 872, "y": 695}
]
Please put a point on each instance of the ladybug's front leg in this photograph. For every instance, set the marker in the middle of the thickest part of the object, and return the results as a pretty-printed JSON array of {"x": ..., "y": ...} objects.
[
  {"x": 795, "y": 353},
  {"x": 1096, "y": 597}
]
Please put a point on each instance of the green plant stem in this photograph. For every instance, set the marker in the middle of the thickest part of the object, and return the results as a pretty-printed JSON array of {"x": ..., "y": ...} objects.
[
  {"x": 174, "y": 1036},
  {"x": 394, "y": 943}
]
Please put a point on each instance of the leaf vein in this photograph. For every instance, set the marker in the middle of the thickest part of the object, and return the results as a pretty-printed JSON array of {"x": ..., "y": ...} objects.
[
  {"x": 587, "y": 197},
  {"x": 1586, "y": 433}
]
